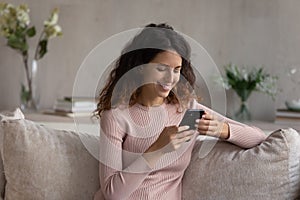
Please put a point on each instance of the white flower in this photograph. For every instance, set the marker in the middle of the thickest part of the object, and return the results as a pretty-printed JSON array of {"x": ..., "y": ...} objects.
[
  {"x": 293, "y": 71},
  {"x": 13, "y": 18},
  {"x": 245, "y": 79},
  {"x": 268, "y": 86},
  {"x": 22, "y": 15},
  {"x": 244, "y": 74},
  {"x": 222, "y": 82},
  {"x": 57, "y": 29},
  {"x": 52, "y": 31},
  {"x": 53, "y": 18},
  {"x": 51, "y": 28}
]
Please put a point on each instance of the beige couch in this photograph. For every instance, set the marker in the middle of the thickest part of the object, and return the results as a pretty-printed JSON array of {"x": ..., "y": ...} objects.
[{"x": 39, "y": 163}]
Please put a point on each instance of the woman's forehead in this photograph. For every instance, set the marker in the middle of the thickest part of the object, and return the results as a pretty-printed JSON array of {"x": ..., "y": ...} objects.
[{"x": 169, "y": 58}]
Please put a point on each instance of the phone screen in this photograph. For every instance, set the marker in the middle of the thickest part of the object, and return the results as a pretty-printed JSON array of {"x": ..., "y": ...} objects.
[{"x": 190, "y": 116}]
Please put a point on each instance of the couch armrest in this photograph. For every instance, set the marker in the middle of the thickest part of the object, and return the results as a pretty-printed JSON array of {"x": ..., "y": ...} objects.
[
  {"x": 270, "y": 170},
  {"x": 44, "y": 163}
]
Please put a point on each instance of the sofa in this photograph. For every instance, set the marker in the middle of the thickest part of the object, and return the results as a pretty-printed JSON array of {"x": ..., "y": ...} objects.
[{"x": 40, "y": 163}]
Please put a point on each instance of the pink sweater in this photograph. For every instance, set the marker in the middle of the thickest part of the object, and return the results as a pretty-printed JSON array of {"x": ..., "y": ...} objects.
[{"x": 126, "y": 134}]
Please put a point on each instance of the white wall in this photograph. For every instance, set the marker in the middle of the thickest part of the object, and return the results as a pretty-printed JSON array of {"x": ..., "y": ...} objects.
[{"x": 245, "y": 32}]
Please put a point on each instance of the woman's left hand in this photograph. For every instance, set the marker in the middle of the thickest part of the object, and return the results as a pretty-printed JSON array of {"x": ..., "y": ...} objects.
[{"x": 211, "y": 126}]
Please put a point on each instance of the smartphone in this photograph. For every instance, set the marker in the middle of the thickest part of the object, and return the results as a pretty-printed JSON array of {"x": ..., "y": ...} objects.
[{"x": 190, "y": 116}]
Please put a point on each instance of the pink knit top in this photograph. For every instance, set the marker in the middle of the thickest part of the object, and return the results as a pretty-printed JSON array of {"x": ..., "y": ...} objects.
[{"x": 126, "y": 134}]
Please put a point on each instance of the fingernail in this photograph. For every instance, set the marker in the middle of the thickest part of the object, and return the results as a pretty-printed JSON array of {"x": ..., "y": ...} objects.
[{"x": 197, "y": 120}]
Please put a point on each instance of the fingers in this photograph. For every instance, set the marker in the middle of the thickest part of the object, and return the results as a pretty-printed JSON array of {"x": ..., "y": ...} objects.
[
  {"x": 183, "y": 128},
  {"x": 207, "y": 116},
  {"x": 206, "y": 123},
  {"x": 172, "y": 138},
  {"x": 209, "y": 125},
  {"x": 171, "y": 129},
  {"x": 182, "y": 136}
]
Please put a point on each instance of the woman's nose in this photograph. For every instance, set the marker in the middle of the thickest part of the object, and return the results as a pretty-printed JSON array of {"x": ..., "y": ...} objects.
[{"x": 169, "y": 76}]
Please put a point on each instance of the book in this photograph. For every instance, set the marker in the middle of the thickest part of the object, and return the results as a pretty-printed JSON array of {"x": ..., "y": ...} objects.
[
  {"x": 288, "y": 118},
  {"x": 77, "y": 99},
  {"x": 73, "y": 105},
  {"x": 285, "y": 113},
  {"x": 72, "y": 108},
  {"x": 68, "y": 114},
  {"x": 61, "y": 102}
]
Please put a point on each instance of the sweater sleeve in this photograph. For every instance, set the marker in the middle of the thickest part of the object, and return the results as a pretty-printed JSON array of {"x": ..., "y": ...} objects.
[
  {"x": 239, "y": 134},
  {"x": 117, "y": 181}
]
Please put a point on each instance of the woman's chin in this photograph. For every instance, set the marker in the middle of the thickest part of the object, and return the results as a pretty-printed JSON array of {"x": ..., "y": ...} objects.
[{"x": 164, "y": 94}]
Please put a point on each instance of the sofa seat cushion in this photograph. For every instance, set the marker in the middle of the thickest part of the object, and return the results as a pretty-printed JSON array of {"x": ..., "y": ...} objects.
[
  {"x": 270, "y": 170},
  {"x": 43, "y": 163}
]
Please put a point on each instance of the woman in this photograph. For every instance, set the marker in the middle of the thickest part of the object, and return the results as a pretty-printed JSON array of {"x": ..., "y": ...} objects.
[{"x": 143, "y": 152}]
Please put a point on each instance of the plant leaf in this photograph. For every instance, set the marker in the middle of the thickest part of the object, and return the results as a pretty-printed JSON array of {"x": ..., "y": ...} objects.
[
  {"x": 42, "y": 48},
  {"x": 31, "y": 32},
  {"x": 17, "y": 43}
]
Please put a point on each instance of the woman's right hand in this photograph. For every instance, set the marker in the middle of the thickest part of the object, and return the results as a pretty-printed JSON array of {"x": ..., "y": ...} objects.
[{"x": 171, "y": 138}]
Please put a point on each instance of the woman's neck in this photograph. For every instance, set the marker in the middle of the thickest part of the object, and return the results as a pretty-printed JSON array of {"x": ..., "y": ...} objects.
[{"x": 146, "y": 99}]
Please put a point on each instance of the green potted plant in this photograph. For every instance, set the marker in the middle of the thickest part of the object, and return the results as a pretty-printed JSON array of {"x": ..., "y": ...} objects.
[
  {"x": 15, "y": 27},
  {"x": 245, "y": 80}
]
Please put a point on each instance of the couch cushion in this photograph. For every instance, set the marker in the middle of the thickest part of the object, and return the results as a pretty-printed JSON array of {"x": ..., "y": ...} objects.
[
  {"x": 270, "y": 170},
  {"x": 6, "y": 116},
  {"x": 43, "y": 163}
]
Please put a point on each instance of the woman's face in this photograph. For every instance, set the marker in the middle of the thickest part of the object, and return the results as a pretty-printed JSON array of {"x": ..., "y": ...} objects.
[{"x": 162, "y": 74}]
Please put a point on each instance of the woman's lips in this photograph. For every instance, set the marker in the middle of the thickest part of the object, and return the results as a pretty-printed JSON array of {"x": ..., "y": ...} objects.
[{"x": 166, "y": 87}]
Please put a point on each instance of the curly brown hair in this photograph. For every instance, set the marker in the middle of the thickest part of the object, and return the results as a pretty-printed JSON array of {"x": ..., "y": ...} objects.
[{"x": 152, "y": 40}]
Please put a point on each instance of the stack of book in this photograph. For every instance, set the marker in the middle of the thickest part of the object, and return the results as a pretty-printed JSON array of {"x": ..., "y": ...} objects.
[
  {"x": 74, "y": 106},
  {"x": 286, "y": 115}
]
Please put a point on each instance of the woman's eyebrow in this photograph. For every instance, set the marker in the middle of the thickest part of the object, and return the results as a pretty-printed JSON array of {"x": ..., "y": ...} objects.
[
  {"x": 165, "y": 65},
  {"x": 162, "y": 64}
]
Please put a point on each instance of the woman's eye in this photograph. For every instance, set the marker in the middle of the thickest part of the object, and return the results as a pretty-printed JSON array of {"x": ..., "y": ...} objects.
[
  {"x": 161, "y": 68},
  {"x": 177, "y": 70}
]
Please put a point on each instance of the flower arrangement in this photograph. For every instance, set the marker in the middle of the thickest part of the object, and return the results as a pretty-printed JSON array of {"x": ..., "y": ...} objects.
[
  {"x": 14, "y": 26},
  {"x": 244, "y": 81}
]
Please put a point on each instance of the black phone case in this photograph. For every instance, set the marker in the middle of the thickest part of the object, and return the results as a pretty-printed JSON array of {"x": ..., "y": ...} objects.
[{"x": 190, "y": 116}]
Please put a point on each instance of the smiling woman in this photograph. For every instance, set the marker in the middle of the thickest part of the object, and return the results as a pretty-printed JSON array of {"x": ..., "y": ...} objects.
[{"x": 143, "y": 150}]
